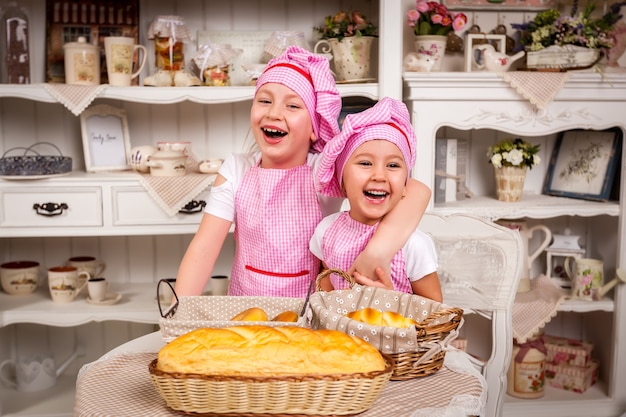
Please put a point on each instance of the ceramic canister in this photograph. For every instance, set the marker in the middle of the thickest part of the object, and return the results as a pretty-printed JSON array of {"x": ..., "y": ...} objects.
[{"x": 82, "y": 62}]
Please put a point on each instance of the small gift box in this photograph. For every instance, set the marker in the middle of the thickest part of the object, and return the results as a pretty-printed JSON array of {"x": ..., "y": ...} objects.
[
  {"x": 561, "y": 350},
  {"x": 570, "y": 377}
]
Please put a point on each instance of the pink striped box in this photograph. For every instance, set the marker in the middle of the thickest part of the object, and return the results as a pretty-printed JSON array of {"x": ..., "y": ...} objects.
[{"x": 561, "y": 350}]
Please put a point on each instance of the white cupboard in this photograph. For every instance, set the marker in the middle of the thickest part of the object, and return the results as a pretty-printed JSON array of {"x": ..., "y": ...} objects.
[{"x": 114, "y": 219}]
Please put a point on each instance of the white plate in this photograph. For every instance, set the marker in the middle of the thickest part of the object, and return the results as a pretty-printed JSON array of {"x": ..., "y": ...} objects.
[
  {"x": 32, "y": 177},
  {"x": 110, "y": 299},
  {"x": 356, "y": 81}
]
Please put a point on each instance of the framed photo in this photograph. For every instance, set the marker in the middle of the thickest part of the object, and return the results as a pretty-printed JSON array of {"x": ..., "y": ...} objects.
[
  {"x": 105, "y": 138},
  {"x": 584, "y": 163},
  {"x": 496, "y": 5}
]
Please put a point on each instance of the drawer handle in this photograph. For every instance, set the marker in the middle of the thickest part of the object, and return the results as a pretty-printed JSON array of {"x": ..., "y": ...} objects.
[
  {"x": 194, "y": 206},
  {"x": 50, "y": 209}
]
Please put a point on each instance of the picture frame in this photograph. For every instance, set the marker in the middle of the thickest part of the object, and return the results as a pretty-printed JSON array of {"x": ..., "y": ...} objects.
[
  {"x": 471, "y": 57},
  {"x": 106, "y": 142},
  {"x": 499, "y": 5},
  {"x": 584, "y": 163}
]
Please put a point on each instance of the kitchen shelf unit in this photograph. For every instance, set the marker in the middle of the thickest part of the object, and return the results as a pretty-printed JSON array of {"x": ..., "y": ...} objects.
[
  {"x": 483, "y": 108},
  {"x": 139, "y": 243}
]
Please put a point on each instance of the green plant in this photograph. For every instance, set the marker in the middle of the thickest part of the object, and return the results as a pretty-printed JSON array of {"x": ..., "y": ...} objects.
[
  {"x": 345, "y": 24},
  {"x": 579, "y": 28},
  {"x": 513, "y": 153},
  {"x": 432, "y": 18}
]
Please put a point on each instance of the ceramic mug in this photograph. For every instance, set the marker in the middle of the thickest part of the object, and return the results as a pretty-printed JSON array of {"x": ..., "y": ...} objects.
[
  {"x": 219, "y": 285},
  {"x": 19, "y": 277},
  {"x": 587, "y": 276},
  {"x": 139, "y": 156},
  {"x": 97, "y": 288},
  {"x": 119, "y": 52},
  {"x": 65, "y": 284},
  {"x": 89, "y": 264},
  {"x": 29, "y": 375}
]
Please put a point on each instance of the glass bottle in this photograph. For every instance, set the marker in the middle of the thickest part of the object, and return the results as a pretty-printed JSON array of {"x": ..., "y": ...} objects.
[{"x": 14, "y": 45}]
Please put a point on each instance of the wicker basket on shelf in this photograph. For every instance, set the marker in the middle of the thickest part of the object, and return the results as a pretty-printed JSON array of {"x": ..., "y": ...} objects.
[
  {"x": 416, "y": 351},
  {"x": 310, "y": 395}
]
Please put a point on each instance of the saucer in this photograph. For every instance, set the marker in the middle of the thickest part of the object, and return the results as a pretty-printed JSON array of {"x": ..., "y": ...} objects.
[{"x": 110, "y": 299}]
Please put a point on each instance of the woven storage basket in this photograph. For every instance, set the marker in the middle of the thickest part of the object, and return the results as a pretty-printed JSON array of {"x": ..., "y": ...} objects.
[
  {"x": 416, "y": 351},
  {"x": 194, "y": 312},
  {"x": 319, "y": 395}
]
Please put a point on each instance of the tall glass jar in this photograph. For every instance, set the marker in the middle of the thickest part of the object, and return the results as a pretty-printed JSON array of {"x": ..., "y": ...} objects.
[
  {"x": 14, "y": 46},
  {"x": 169, "y": 34}
]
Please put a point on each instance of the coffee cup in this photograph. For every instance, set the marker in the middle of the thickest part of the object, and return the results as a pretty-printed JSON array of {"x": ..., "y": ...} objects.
[
  {"x": 587, "y": 276},
  {"x": 19, "y": 277},
  {"x": 219, "y": 285},
  {"x": 89, "y": 264},
  {"x": 97, "y": 288},
  {"x": 139, "y": 156},
  {"x": 66, "y": 282},
  {"x": 119, "y": 52}
]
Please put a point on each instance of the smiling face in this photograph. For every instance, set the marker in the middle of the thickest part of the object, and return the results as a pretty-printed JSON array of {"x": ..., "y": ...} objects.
[
  {"x": 374, "y": 179},
  {"x": 281, "y": 125}
]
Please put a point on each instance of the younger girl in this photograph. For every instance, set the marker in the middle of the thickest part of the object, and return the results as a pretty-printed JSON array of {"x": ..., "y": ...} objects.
[
  {"x": 270, "y": 195},
  {"x": 369, "y": 162}
]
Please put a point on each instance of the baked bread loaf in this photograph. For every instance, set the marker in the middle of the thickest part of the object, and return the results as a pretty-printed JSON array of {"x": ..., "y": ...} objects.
[
  {"x": 381, "y": 318},
  {"x": 251, "y": 314},
  {"x": 268, "y": 351}
]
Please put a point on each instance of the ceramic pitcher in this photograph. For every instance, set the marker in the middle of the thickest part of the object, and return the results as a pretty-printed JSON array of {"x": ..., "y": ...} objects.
[{"x": 526, "y": 234}]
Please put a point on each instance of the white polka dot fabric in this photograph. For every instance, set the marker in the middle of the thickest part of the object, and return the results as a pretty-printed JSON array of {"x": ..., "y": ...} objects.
[
  {"x": 328, "y": 311},
  {"x": 196, "y": 312}
]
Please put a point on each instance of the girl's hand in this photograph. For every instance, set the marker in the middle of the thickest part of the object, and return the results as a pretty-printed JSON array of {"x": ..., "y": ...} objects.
[
  {"x": 383, "y": 281},
  {"x": 369, "y": 260}
]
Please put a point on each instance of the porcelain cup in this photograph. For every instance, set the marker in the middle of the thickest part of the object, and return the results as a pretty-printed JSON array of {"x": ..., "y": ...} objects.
[
  {"x": 587, "y": 277},
  {"x": 119, "y": 52},
  {"x": 97, "y": 288},
  {"x": 139, "y": 157},
  {"x": 219, "y": 284},
  {"x": 65, "y": 284},
  {"x": 89, "y": 264},
  {"x": 19, "y": 277}
]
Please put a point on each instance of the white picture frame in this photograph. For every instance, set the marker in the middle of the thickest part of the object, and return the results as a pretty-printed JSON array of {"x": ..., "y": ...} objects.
[
  {"x": 106, "y": 143},
  {"x": 470, "y": 38}
]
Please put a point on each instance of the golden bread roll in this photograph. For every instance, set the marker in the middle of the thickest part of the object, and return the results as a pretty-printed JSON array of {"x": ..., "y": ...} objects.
[
  {"x": 289, "y": 316},
  {"x": 268, "y": 351},
  {"x": 251, "y": 314},
  {"x": 381, "y": 318}
]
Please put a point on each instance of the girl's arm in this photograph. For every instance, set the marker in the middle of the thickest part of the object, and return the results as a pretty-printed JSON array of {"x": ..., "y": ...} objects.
[
  {"x": 393, "y": 231},
  {"x": 199, "y": 260},
  {"x": 428, "y": 286}
]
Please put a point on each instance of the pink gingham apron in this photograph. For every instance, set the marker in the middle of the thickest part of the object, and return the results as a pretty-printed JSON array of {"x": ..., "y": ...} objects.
[
  {"x": 345, "y": 239},
  {"x": 277, "y": 212}
]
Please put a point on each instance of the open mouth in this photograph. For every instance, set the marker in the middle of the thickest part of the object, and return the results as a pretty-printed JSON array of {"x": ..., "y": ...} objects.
[
  {"x": 375, "y": 194},
  {"x": 273, "y": 133}
]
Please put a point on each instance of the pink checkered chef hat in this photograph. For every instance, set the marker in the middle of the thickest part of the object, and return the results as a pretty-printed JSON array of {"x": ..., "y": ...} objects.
[
  {"x": 388, "y": 120},
  {"x": 310, "y": 77}
]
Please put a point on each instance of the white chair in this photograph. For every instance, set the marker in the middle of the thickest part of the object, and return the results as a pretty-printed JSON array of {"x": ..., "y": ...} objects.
[{"x": 479, "y": 268}]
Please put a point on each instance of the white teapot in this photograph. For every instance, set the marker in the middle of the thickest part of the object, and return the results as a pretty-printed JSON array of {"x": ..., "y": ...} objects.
[{"x": 486, "y": 57}]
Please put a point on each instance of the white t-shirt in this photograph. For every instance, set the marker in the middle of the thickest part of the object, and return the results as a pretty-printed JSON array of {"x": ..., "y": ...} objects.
[
  {"x": 221, "y": 201},
  {"x": 419, "y": 251}
]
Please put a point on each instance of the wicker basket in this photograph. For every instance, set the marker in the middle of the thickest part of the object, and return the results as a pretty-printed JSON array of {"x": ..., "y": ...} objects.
[
  {"x": 193, "y": 312},
  {"x": 417, "y": 351},
  {"x": 320, "y": 395}
]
